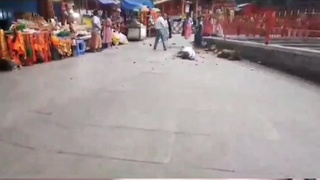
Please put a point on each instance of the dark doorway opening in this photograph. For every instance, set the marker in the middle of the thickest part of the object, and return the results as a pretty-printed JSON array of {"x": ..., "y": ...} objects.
[
  {"x": 4, "y": 24},
  {"x": 191, "y": 8}
]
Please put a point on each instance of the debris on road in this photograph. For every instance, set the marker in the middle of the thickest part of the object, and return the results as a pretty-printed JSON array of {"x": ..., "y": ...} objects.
[{"x": 211, "y": 48}]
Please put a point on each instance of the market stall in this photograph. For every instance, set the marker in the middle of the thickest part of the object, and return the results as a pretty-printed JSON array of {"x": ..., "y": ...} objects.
[
  {"x": 136, "y": 30},
  {"x": 32, "y": 40}
]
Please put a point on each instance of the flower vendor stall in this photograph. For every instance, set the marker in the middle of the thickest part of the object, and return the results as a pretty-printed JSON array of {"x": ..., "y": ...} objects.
[{"x": 33, "y": 40}]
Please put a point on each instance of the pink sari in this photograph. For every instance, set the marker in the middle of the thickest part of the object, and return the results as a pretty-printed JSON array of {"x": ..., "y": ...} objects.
[
  {"x": 188, "y": 30},
  {"x": 107, "y": 32},
  {"x": 209, "y": 28}
]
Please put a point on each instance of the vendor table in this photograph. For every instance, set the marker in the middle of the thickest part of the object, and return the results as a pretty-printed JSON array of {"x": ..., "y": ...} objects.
[
  {"x": 137, "y": 33},
  {"x": 86, "y": 40}
]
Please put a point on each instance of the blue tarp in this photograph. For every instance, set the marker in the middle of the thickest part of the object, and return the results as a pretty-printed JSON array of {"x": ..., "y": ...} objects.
[
  {"x": 109, "y": 1},
  {"x": 136, "y": 4}
]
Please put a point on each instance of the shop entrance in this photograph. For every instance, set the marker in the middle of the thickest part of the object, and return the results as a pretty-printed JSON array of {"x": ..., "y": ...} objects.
[
  {"x": 5, "y": 18},
  {"x": 4, "y": 24}
]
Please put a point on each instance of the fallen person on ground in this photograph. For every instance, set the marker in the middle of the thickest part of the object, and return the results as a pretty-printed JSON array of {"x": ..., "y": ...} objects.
[
  {"x": 232, "y": 55},
  {"x": 187, "y": 53}
]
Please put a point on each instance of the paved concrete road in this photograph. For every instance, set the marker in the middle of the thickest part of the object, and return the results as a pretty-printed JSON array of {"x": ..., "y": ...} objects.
[{"x": 135, "y": 112}]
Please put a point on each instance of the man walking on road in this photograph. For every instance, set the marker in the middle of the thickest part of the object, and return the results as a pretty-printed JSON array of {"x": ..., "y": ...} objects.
[{"x": 161, "y": 27}]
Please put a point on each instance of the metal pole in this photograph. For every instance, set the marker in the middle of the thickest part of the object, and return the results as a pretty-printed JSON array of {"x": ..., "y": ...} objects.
[{"x": 97, "y": 4}]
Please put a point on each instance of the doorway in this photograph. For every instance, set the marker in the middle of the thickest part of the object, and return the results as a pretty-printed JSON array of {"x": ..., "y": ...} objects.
[{"x": 4, "y": 24}]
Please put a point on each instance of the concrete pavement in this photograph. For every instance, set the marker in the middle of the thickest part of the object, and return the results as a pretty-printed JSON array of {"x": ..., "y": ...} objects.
[{"x": 135, "y": 112}]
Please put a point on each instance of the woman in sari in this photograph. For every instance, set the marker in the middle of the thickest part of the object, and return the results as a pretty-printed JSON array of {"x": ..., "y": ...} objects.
[
  {"x": 107, "y": 32},
  {"x": 95, "y": 33},
  {"x": 188, "y": 28},
  {"x": 219, "y": 30}
]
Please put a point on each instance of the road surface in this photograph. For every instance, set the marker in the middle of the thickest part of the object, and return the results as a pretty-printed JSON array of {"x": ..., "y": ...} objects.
[{"x": 135, "y": 112}]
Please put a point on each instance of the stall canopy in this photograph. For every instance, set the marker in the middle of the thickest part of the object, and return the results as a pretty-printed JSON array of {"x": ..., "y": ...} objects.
[
  {"x": 136, "y": 4},
  {"x": 109, "y": 2}
]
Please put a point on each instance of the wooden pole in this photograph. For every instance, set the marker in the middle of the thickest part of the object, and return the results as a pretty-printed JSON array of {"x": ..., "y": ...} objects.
[
  {"x": 197, "y": 8},
  {"x": 182, "y": 7},
  {"x": 87, "y": 6},
  {"x": 97, "y": 4}
]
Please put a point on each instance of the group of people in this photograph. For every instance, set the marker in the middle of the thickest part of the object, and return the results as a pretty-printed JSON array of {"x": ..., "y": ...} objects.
[
  {"x": 213, "y": 27},
  {"x": 102, "y": 31}
]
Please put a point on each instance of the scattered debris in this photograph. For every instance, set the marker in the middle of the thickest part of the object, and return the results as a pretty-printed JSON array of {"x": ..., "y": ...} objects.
[
  {"x": 216, "y": 51},
  {"x": 232, "y": 55},
  {"x": 251, "y": 69},
  {"x": 41, "y": 112},
  {"x": 259, "y": 62},
  {"x": 150, "y": 45},
  {"x": 211, "y": 48},
  {"x": 134, "y": 62}
]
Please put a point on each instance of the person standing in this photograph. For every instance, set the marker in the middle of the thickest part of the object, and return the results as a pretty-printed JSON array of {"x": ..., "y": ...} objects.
[
  {"x": 199, "y": 32},
  {"x": 184, "y": 25},
  {"x": 160, "y": 26},
  {"x": 117, "y": 19},
  {"x": 95, "y": 33},
  {"x": 107, "y": 32},
  {"x": 188, "y": 28},
  {"x": 219, "y": 29},
  {"x": 169, "y": 27},
  {"x": 166, "y": 34}
]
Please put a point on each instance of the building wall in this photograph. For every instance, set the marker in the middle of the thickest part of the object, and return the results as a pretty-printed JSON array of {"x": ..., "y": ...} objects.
[{"x": 289, "y": 3}]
